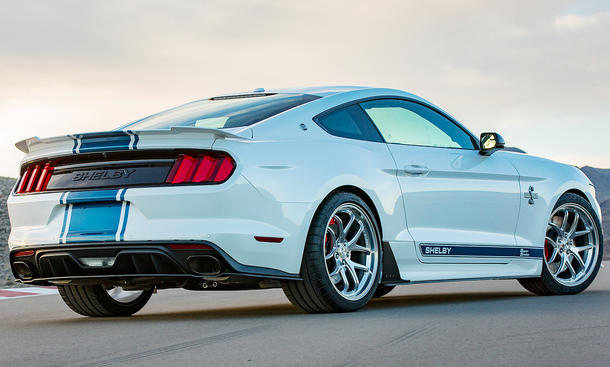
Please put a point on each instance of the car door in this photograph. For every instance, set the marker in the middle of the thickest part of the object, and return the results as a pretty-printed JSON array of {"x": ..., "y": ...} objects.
[{"x": 460, "y": 206}]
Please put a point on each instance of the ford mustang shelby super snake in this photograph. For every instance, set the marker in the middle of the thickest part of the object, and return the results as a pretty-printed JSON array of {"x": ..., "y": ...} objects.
[{"x": 334, "y": 194}]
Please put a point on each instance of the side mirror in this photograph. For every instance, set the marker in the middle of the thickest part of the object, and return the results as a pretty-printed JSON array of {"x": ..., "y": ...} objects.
[{"x": 491, "y": 142}]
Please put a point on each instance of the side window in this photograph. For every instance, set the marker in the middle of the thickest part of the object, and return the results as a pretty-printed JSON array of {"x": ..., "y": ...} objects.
[
  {"x": 404, "y": 122},
  {"x": 349, "y": 122}
]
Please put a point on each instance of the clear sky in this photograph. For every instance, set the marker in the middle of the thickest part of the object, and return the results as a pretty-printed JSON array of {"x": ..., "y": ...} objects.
[{"x": 538, "y": 72}]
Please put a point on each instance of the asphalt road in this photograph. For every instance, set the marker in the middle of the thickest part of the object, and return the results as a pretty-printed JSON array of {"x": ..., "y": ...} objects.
[{"x": 485, "y": 323}]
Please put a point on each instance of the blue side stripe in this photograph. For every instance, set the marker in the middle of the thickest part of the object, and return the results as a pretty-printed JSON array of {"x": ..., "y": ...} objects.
[{"x": 440, "y": 250}]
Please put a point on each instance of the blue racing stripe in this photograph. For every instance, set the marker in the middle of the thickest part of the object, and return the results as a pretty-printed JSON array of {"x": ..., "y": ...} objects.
[
  {"x": 124, "y": 224},
  {"x": 62, "y": 198},
  {"x": 64, "y": 224},
  {"x": 94, "y": 216},
  {"x": 104, "y": 141},
  {"x": 75, "y": 144},
  {"x": 136, "y": 138},
  {"x": 94, "y": 222},
  {"x": 91, "y": 196},
  {"x": 125, "y": 216}
]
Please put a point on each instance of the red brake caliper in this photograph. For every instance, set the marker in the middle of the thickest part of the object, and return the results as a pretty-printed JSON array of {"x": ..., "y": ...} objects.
[
  {"x": 332, "y": 221},
  {"x": 547, "y": 253}
]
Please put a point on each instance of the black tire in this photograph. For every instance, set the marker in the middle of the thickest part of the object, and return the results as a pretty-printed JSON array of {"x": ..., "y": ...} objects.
[
  {"x": 546, "y": 284},
  {"x": 94, "y": 301},
  {"x": 316, "y": 293},
  {"x": 382, "y": 290}
]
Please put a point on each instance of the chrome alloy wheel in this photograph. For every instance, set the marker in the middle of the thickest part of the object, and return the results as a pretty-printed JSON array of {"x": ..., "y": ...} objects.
[
  {"x": 122, "y": 296},
  {"x": 351, "y": 251},
  {"x": 571, "y": 245}
]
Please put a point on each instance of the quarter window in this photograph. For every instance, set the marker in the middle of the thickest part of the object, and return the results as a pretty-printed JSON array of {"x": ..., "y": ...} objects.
[
  {"x": 405, "y": 122},
  {"x": 349, "y": 122}
]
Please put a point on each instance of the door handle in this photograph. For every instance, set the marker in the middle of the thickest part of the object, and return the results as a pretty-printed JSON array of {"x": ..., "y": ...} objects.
[{"x": 416, "y": 170}]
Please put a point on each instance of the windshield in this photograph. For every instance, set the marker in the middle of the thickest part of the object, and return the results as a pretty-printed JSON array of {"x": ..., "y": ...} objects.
[{"x": 223, "y": 112}]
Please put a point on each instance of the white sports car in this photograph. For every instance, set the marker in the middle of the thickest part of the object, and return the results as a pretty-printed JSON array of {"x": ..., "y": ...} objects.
[{"x": 335, "y": 194}]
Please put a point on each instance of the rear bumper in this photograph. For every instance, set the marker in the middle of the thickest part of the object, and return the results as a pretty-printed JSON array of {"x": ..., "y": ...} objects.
[
  {"x": 133, "y": 263},
  {"x": 229, "y": 215}
]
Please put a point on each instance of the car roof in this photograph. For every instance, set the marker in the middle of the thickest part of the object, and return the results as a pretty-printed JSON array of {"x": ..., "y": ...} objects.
[
  {"x": 320, "y": 91},
  {"x": 328, "y": 90}
]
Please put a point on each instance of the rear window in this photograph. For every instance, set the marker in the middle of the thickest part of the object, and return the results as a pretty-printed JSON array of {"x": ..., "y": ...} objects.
[{"x": 223, "y": 112}]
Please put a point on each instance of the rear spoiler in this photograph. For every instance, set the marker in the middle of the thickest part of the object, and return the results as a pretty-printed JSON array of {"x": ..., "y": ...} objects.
[{"x": 26, "y": 144}]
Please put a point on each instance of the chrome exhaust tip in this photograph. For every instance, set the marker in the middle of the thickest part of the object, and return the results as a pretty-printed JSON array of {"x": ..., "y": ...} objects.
[{"x": 22, "y": 270}]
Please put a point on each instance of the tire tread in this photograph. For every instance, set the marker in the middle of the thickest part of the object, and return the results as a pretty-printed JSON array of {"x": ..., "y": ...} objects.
[{"x": 94, "y": 301}]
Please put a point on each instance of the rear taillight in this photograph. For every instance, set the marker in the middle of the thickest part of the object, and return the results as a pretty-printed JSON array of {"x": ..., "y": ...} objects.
[
  {"x": 35, "y": 178},
  {"x": 202, "y": 168},
  {"x": 193, "y": 167}
]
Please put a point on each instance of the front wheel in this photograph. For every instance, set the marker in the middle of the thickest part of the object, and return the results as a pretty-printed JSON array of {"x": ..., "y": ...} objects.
[
  {"x": 573, "y": 249},
  {"x": 341, "y": 261},
  {"x": 100, "y": 301}
]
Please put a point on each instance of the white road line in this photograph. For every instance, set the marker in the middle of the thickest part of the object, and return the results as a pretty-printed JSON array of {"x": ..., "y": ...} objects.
[{"x": 11, "y": 293}]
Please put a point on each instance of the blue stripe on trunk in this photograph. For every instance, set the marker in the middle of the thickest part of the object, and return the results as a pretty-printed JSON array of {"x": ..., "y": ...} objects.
[
  {"x": 91, "y": 196},
  {"x": 105, "y": 141},
  {"x": 94, "y": 222},
  {"x": 93, "y": 216}
]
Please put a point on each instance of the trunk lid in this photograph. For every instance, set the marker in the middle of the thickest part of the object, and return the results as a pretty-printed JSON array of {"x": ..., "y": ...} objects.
[{"x": 113, "y": 159}]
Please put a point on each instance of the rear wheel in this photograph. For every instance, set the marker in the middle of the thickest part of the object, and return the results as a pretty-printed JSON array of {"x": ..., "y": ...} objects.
[
  {"x": 572, "y": 249},
  {"x": 99, "y": 301},
  {"x": 341, "y": 261}
]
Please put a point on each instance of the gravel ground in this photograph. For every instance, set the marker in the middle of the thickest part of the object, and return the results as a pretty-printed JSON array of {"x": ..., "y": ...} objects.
[{"x": 6, "y": 276}]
